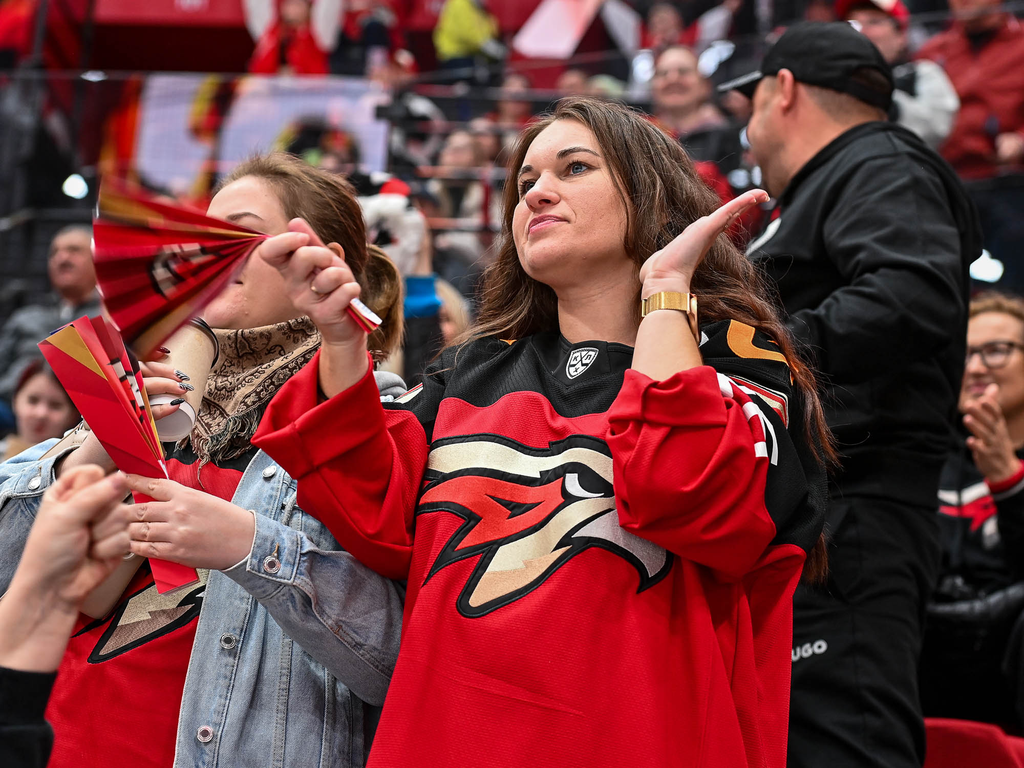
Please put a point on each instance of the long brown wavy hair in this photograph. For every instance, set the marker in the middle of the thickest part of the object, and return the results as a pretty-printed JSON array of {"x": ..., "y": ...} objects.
[{"x": 662, "y": 195}]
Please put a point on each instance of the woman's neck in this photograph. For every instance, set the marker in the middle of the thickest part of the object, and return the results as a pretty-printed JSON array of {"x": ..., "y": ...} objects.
[{"x": 600, "y": 310}]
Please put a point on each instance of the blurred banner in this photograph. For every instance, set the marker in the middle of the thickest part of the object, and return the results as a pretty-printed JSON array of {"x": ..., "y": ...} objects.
[
  {"x": 171, "y": 12},
  {"x": 178, "y": 134}
]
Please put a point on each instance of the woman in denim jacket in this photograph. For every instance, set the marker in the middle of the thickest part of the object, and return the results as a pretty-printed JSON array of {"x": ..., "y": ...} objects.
[{"x": 204, "y": 675}]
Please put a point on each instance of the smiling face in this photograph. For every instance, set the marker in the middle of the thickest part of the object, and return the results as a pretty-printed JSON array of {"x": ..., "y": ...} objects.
[
  {"x": 256, "y": 295},
  {"x": 989, "y": 328},
  {"x": 569, "y": 225},
  {"x": 677, "y": 84}
]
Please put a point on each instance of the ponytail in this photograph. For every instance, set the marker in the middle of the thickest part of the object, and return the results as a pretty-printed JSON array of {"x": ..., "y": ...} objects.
[{"x": 382, "y": 292}]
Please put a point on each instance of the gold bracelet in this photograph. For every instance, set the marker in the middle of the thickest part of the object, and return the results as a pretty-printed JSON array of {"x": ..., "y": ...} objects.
[{"x": 681, "y": 302}]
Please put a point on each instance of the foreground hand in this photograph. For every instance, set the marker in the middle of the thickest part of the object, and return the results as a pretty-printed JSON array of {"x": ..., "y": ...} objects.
[
  {"x": 672, "y": 268},
  {"x": 187, "y": 526},
  {"x": 990, "y": 442},
  {"x": 317, "y": 280},
  {"x": 79, "y": 537}
]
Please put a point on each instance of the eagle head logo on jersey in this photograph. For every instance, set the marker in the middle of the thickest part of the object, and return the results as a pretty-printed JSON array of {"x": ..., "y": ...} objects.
[{"x": 528, "y": 511}]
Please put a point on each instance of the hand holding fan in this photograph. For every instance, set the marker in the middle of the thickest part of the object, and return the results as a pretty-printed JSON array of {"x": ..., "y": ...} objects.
[{"x": 106, "y": 386}]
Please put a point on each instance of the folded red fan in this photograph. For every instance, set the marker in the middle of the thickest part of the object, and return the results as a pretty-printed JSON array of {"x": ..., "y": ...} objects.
[
  {"x": 92, "y": 363},
  {"x": 158, "y": 264}
]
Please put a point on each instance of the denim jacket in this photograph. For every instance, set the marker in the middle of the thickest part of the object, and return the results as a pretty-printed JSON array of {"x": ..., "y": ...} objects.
[{"x": 276, "y": 636}]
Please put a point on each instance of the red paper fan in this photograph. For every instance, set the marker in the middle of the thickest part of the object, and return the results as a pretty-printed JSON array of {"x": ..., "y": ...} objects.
[{"x": 159, "y": 264}]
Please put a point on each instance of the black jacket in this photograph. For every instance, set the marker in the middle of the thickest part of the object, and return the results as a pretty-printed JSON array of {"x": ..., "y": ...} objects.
[
  {"x": 870, "y": 252},
  {"x": 982, "y": 529},
  {"x": 25, "y": 737}
]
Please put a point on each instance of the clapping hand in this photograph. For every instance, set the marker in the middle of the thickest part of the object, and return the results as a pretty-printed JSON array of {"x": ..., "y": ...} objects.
[{"x": 990, "y": 442}]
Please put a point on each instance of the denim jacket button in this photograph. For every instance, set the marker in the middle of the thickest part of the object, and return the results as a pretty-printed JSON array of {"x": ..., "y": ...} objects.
[
  {"x": 269, "y": 472},
  {"x": 271, "y": 564},
  {"x": 204, "y": 734},
  {"x": 228, "y": 641},
  {"x": 34, "y": 483}
]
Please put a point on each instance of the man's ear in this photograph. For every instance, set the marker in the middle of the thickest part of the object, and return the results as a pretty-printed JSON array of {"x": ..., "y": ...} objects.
[{"x": 785, "y": 83}]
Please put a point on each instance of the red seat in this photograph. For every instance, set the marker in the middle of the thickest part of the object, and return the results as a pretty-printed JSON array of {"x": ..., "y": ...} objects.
[{"x": 964, "y": 743}]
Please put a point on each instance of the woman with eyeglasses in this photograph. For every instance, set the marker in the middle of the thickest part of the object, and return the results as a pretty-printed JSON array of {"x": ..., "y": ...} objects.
[{"x": 981, "y": 505}]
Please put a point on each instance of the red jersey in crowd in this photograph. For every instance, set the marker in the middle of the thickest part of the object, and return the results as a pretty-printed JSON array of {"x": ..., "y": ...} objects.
[
  {"x": 295, "y": 49},
  {"x": 600, "y": 566},
  {"x": 987, "y": 70}
]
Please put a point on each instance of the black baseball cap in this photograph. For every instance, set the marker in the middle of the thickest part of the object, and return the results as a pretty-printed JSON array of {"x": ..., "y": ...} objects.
[{"x": 822, "y": 54}]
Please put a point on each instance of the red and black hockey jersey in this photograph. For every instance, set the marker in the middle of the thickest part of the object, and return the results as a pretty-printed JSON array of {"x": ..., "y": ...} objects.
[{"x": 600, "y": 566}]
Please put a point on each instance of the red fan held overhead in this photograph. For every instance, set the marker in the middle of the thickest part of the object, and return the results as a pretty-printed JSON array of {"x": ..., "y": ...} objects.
[{"x": 158, "y": 264}]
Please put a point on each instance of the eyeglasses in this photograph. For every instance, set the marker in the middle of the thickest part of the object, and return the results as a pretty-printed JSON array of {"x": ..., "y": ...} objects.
[{"x": 995, "y": 354}]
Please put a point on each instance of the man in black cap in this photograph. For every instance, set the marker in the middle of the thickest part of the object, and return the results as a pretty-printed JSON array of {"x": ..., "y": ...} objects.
[{"x": 869, "y": 245}]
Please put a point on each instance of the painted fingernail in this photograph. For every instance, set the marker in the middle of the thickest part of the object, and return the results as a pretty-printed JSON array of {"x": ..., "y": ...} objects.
[
  {"x": 165, "y": 350},
  {"x": 182, "y": 375},
  {"x": 187, "y": 387},
  {"x": 177, "y": 401}
]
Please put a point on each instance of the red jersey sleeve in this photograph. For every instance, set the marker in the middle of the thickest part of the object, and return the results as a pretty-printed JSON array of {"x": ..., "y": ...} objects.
[
  {"x": 706, "y": 464},
  {"x": 358, "y": 467},
  {"x": 688, "y": 474}
]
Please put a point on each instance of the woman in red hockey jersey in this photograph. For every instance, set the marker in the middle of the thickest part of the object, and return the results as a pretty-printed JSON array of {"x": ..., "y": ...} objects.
[{"x": 601, "y": 508}]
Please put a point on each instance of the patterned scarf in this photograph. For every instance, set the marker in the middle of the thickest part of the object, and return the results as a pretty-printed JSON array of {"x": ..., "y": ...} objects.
[{"x": 252, "y": 366}]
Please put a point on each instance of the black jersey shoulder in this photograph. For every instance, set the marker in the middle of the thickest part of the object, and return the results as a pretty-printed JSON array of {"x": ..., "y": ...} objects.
[{"x": 576, "y": 378}]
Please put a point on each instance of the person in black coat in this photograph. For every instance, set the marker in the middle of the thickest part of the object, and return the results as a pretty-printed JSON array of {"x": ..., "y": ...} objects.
[{"x": 869, "y": 246}]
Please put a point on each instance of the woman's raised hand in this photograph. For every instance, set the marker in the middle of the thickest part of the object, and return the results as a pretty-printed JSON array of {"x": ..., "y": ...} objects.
[
  {"x": 318, "y": 281},
  {"x": 321, "y": 286},
  {"x": 672, "y": 268}
]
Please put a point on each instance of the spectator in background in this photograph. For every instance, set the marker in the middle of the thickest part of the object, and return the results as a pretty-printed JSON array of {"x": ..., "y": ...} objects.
[
  {"x": 42, "y": 409},
  {"x": 74, "y": 285},
  {"x": 369, "y": 32},
  {"x": 463, "y": 195},
  {"x": 319, "y": 143},
  {"x": 981, "y": 505},
  {"x": 983, "y": 54},
  {"x": 487, "y": 137},
  {"x": 513, "y": 110},
  {"x": 682, "y": 106},
  {"x": 467, "y": 32},
  {"x": 572, "y": 82},
  {"x": 606, "y": 87},
  {"x": 288, "y": 46},
  {"x": 454, "y": 315},
  {"x": 924, "y": 100},
  {"x": 869, "y": 250},
  {"x": 665, "y": 29}
]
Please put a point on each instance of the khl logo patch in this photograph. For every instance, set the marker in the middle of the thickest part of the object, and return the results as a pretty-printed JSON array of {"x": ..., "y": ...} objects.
[{"x": 579, "y": 360}]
